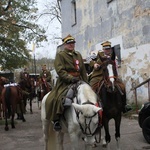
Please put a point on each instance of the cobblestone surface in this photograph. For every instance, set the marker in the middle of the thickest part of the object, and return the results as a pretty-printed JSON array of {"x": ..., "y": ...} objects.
[{"x": 29, "y": 136}]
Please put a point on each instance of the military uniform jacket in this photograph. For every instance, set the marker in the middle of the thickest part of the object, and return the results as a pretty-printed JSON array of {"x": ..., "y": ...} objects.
[
  {"x": 64, "y": 63},
  {"x": 46, "y": 74},
  {"x": 24, "y": 75},
  {"x": 97, "y": 74}
]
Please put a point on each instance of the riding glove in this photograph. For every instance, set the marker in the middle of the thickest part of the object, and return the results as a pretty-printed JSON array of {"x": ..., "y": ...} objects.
[{"x": 74, "y": 79}]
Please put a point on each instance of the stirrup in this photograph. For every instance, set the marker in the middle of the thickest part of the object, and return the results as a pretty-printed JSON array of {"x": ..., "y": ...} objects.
[{"x": 57, "y": 126}]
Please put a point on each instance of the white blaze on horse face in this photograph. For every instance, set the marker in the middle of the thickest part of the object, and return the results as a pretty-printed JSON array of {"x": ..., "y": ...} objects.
[{"x": 111, "y": 74}]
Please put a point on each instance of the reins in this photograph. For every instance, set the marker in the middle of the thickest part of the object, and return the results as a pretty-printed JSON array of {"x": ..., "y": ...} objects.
[{"x": 87, "y": 124}]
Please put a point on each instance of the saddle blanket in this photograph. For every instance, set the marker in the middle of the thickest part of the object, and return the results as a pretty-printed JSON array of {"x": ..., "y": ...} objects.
[{"x": 10, "y": 84}]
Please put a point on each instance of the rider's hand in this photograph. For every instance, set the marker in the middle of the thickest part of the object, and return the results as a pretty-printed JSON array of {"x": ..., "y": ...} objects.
[
  {"x": 96, "y": 66},
  {"x": 74, "y": 79}
]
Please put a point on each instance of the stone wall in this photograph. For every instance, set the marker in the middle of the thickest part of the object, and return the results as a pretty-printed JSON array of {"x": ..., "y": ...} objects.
[{"x": 122, "y": 22}]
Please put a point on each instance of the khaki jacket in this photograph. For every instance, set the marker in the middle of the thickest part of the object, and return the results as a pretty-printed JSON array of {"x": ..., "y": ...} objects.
[
  {"x": 46, "y": 74},
  {"x": 97, "y": 74},
  {"x": 65, "y": 62}
]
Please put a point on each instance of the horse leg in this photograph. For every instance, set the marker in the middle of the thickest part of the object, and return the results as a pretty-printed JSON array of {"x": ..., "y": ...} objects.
[
  {"x": 31, "y": 112},
  {"x": 117, "y": 127},
  {"x": 6, "y": 122},
  {"x": 74, "y": 140},
  {"x": 21, "y": 110},
  {"x": 0, "y": 111},
  {"x": 12, "y": 118},
  {"x": 107, "y": 134},
  {"x": 45, "y": 126},
  {"x": 60, "y": 141}
]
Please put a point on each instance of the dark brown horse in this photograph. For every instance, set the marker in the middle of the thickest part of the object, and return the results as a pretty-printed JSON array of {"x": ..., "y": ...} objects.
[
  {"x": 3, "y": 81},
  {"x": 112, "y": 101},
  {"x": 11, "y": 97},
  {"x": 28, "y": 88}
]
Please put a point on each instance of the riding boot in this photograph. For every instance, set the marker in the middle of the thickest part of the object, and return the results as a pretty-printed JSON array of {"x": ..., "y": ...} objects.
[
  {"x": 69, "y": 98},
  {"x": 56, "y": 122},
  {"x": 126, "y": 107}
]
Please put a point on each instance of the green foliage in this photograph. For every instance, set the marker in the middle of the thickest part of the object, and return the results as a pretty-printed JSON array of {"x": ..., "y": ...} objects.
[{"x": 17, "y": 28}]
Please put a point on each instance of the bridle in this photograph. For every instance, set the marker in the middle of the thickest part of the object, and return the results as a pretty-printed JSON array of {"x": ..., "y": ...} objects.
[{"x": 86, "y": 128}]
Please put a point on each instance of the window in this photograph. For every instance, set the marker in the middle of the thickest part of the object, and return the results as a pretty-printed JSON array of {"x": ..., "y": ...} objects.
[
  {"x": 117, "y": 54},
  {"x": 73, "y": 9}
]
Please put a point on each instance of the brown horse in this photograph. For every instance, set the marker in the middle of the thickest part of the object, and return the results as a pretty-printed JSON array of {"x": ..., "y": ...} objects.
[
  {"x": 27, "y": 85},
  {"x": 11, "y": 97},
  {"x": 3, "y": 81},
  {"x": 43, "y": 88}
]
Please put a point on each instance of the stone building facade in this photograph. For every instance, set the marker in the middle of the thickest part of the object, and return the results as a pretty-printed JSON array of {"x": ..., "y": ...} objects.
[{"x": 125, "y": 23}]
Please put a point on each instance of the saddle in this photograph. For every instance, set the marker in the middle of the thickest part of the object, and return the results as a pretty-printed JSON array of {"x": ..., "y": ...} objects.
[
  {"x": 71, "y": 92},
  {"x": 119, "y": 85}
]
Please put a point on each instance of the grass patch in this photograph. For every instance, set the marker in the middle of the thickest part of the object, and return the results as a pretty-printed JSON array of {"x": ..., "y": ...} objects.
[{"x": 133, "y": 111}]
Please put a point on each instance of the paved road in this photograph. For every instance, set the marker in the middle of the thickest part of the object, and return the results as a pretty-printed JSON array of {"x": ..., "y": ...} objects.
[{"x": 28, "y": 135}]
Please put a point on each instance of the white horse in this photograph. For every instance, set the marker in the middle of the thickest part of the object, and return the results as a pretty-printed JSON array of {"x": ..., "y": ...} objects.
[{"x": 82, "y": 121}]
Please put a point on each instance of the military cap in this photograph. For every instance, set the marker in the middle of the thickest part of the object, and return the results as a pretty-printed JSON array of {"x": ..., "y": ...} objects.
[
  {"x": 68, "y": 39},
  {"x": 106, "y": 45}
]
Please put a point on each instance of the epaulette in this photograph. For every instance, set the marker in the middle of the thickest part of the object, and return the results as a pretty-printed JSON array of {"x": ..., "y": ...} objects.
[
  {"x": 76, "y": 52},
  {"x": 60, "y": 51},
  {"x": 100, "y": 51}
]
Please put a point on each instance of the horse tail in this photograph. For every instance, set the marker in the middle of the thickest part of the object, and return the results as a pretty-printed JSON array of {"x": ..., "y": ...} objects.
[{"x": 7, "y": 100}]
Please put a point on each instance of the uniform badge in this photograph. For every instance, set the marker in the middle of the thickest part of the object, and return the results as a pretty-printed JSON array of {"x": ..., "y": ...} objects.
[{"x": 77, "y": 65}]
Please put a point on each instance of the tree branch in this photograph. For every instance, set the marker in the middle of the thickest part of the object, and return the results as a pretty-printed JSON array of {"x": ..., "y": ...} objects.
[{"x": 8, "y": 6}]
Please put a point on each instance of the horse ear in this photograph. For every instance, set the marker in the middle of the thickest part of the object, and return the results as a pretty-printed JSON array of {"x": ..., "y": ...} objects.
[
  {"x": 96, "y": 109},
  {"x": 77, "y": 106}
]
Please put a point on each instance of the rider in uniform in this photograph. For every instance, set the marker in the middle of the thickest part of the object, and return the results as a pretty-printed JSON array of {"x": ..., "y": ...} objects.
[
  {"x": 97, "y": 76},
  {"x": 45, "y": 76},
  {"x": 70, "y": 69},
  {"x": 24, "y": 76}
]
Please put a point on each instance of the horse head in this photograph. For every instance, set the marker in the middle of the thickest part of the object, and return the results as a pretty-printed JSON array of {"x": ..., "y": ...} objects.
[
  {"x": 89, "y": 121},
  {"x": 87, "y": 114},
  {"x": 3, "y": 81},
  {"x": 109, "y": 77}
]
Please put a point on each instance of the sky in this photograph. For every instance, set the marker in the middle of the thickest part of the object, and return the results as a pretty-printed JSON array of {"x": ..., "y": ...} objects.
[{"x": 48, "y": 48}]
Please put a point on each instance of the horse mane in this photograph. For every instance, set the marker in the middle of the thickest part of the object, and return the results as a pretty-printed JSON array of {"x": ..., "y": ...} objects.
[{"x": 86, "y": 94}]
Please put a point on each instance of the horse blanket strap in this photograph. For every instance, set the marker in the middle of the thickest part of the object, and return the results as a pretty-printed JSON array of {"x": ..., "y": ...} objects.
[
  {"x": 11, "y": 84},
  {"x": 75, "y": 74}
]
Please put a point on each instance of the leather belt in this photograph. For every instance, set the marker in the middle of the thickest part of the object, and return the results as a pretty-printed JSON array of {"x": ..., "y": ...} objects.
[{"x": 75, "y": 74}]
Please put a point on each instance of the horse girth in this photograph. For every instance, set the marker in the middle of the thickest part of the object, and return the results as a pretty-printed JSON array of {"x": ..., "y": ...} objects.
[{"x": 97, "y": 86}]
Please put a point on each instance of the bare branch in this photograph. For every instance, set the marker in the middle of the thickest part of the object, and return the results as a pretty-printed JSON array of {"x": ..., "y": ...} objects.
[{"x": 23, "y": 26}]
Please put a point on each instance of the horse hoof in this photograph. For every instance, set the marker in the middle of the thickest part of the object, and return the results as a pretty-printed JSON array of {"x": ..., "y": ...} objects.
[
  {"x": 104, "y": 145},
  {"x": 13, "y": 127},
  {"x": 94, "y": 145},
  {"x": 6, "y": 128},
  {"x": 23, "y": 120}
]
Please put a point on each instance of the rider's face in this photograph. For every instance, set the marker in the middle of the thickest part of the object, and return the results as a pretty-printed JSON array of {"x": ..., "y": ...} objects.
[
  {"x": 108, "y": 51},
  {"x": 69, "y": 46}
]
